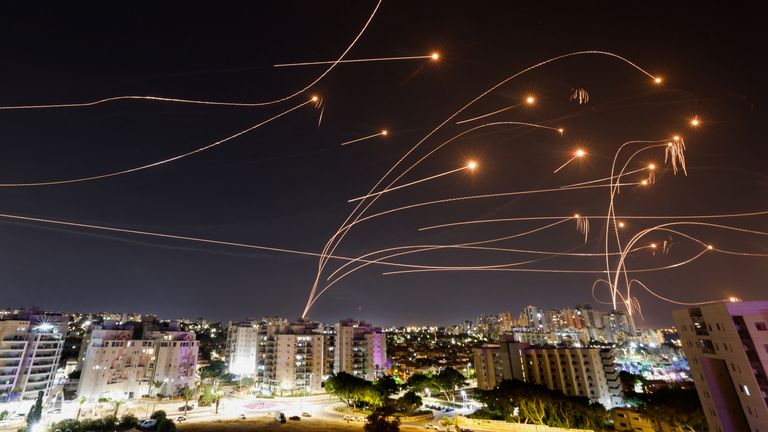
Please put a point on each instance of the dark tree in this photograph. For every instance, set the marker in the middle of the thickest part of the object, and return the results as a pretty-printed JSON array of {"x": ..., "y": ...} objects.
[
  {"x": 386, "y": 386},
  {"x": 409, "y": 402},
  {"x": 381, "y": 420},
  {"x": 35, "y": 411},
  {"x": 448, "y": 381}
]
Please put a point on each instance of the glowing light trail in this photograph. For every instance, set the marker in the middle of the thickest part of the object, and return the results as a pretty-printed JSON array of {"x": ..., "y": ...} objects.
[
  {"x": 161, "y": 162},
  {"x": 488, "y": 114},
  {"x": 382, "y": 133},
  {"x": 206, "y": 102},
  {"x": 338, "y": 236},
  {"x": 363, "y": 60},
  {"x": 470, "y": 166},
  {"x": 577, "y": 154},
  {"x": 530, "y": 218}
]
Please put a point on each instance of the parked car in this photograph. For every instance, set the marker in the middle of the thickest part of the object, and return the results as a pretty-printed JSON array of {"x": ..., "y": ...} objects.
[
  {"x": 181, "y": 418},
  {"x": 241, "y": 417},
  {"x": 306, "y": 414},
  {"x": 294, "y": 418},
  {"x": 279, "y": 416},
  {"x": 430, "y": 426},
  {"x": 189, "y": 407},
  {"x": 147, "y": 424}
]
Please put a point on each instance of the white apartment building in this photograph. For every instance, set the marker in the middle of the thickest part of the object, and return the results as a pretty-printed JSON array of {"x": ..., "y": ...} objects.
[
  {"x": 242, "y": 344},
  {"x": 726, "y": 345},
  {"x": 117, "y": 365},
  {"x": 587, "y": 372},
  {"x": 30, "y": 350},
  {"x": 299, "y": 362},
  {"x": 360, "y": 349}
]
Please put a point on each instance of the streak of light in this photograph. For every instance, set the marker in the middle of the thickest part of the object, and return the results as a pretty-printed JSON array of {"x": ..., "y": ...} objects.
[
  {"x": 158, "y": 163},
  {"x": 427, "y": 249},
  {"x": 470, "y": 166},
  {"x": 382, "y": 133},
  {"x": 338, "y": 236},
  {"x": 667, "y": 299},
  {"x": 205, "y": 102},
  {"x": 362, "y": 60},
  {"x": 488, "y": 114},
  {"x": 184, "y": 238},
  {"x": 576, "y": 155}
]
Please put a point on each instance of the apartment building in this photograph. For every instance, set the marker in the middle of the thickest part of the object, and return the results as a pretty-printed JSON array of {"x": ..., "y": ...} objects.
[
  {"x": 587, "y": 372},
  {"x": 242, "y": 344},
  {"x": 360, "y": 349},
  {"x": 31, "y": 343},
  {"x": 118, "y": 363},
  {"x": 726, "y": 345}
]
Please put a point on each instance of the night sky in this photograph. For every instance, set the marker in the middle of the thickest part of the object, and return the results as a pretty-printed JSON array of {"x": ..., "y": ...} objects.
[{"x": 287, "y": 184}]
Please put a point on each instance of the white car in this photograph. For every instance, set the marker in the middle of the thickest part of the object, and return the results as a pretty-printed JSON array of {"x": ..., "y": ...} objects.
[{"x": 147, "y": 423}]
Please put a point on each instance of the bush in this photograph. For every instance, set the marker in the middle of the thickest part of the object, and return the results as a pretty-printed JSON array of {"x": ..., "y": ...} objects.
[
  {"x": 159, "y": 416},
  {"x": 103, "y": 400},
  {"x": 484, "y": 414},
  {"x": 166, "y": 425},
  {"x": 109, "y": 422},
  {"x": 68, "y": 425},
  {"x": 127, "y": 421},
  {"x": 3, "y": 414}
]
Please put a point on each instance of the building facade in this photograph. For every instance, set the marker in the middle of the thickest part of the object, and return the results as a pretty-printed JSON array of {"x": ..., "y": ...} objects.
[
  {"x": 360, "y": 349},
  {"x": 117, "y": 365},
  {"x": 242, "y": 344},
  {"x": 586, "y": 372},
  {"x": 31, "y": 344},
  {"x": 726, "y": 345}
]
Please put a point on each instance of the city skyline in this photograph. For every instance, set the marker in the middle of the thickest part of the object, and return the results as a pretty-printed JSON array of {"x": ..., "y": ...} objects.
[{"x": 287, "y": 184}]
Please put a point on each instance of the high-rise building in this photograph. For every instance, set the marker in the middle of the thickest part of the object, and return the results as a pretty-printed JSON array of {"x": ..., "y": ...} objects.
[
  {"x": 587, "y": 372},
  {"x": 726, "y": 345},
  {"x": 117, "y": 363},
  {"x": 242, "y": 344},
  {"x": 300, "y": 358},
  {"x": 360, "y": 349},
  {"x": 31, "y": 343},
  {"x": 535, "y": 318},
  {"x": 266, "y": 352}
]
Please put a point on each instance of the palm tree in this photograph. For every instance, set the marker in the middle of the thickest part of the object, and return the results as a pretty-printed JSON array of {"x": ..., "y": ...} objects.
[
  {"x": 117, "y": 403},
  {"x": 157, "y": 385},
  {"x": 80, "y": 403},
  {"x": 217, "y": 395},
  {"x": 186, "y": 393}
]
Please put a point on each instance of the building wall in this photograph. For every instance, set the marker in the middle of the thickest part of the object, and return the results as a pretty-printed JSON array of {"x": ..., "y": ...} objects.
[
  {"x": 360, "y": 349},
  {"x": 119, "y": 367},
  {"x": 587, "y": 372},
  {"x": 242, "y": 343},
  {"x": 726, "y": 345},
  {"x": 30, "y": 351}
]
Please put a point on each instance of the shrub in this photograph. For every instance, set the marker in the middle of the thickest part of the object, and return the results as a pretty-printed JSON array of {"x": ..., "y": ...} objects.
[
  {"x": 159, "y": 416},
  {"x": 127, "y": 421},
  {"x": 166, "y": 425}
]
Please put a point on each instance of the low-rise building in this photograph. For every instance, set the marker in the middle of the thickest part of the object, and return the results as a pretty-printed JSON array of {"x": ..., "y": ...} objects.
[
  {"x": 586, "y": 372},
  {"x": 116, "y": 364}
]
